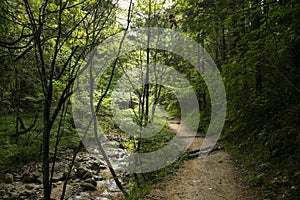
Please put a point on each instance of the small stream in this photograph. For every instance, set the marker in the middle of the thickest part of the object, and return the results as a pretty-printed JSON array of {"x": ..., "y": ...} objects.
[{"x": 90, "y": 178}]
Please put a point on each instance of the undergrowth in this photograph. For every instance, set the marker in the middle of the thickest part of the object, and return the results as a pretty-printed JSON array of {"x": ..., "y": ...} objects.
[{"x": 269, "y": 153}]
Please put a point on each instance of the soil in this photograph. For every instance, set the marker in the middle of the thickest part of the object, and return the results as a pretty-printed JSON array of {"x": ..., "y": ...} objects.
[{"x": 212, "y": 177}]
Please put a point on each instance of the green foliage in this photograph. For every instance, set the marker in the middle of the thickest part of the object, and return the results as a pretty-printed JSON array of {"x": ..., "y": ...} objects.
[
  {"x": 29, "y": 146},
  {"x": 256, "y": 47},
  {"x": 255, "y": 44},
  {"x": 14, "y": 156}
]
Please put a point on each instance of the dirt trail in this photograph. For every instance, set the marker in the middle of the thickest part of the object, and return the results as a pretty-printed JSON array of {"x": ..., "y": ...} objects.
[{"x": 212, "y": 177}]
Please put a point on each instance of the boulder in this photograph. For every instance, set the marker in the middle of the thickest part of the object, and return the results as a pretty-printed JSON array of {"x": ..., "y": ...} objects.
[
  {"x": 88, "y": 174},
  {"x": 95, "y": 166},
  {"x": 91, "y": 181},
  {"x": 72, "y": 174},
  {"x": 30, "y": 178},
  {"x": 29, "y": 187},
  {"x": 87, "y": 187},
  {"x": 81, "y": 172}
]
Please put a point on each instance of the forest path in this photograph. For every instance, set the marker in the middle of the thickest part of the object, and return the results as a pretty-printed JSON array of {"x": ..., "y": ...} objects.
[{"x": 212, "y": 177}]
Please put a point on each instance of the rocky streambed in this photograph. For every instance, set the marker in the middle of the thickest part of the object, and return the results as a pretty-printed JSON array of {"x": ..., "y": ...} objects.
[{"x": 90, "y": 178}]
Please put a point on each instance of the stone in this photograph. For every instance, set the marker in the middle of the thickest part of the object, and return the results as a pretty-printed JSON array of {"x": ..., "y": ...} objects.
[
  {"x": 92, "y": 181},
  {"x": 102, "y": 166},
  {"x": 81, "y": 172},
  {"x": 8, "y": 178},
  {"x": 29, "y": 187},
  {"x": 58, "y": 177},
  {"x": 58, "y": 159},
  {"x": 14, "y": 195},
  {"x": 24, "y": 194},
  {"x": 88, "y": 174},
  {"x": 87, "y": 187},
  {"x": 82, "y": 159},
  {"x": 72, "y": 175},
  {"x": 39, "y": 180},
  {"x": 17, "y": 177},
  {"x": 30, "y": 178},
  {"x": 95, "y": 166},
  {"x": 2, "y": 193},
  {"x": 98, "y": 178}
]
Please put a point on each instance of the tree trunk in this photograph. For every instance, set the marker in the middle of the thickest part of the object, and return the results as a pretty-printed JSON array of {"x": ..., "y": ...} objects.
[{"x": 46, "y": 144}]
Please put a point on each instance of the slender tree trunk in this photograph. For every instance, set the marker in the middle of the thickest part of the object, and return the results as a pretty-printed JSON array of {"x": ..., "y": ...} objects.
[
  {"x": 147, "y": 88},
  {"x": 46, "y": 144},
  {"x": 95, "y": 124}
]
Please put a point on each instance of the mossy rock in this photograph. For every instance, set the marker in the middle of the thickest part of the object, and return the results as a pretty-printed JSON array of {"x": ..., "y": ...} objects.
[
  {"x": 92, "y": 181},
  {"x": 72, "y": 174},
  {"x": 87, "y": 187},
  {"x": 95, "y": 166},
  {"x": 81, "y": 172},
  {"x": 87, "y": 175}
]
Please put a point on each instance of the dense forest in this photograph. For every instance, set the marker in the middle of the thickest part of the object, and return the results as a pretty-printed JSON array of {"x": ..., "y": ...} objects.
[{"x": 46, "y": 45}]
